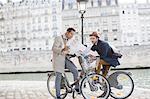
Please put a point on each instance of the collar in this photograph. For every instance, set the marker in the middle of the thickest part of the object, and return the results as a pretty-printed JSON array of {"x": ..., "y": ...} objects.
[
  {"x": 96, "y": 43},
  {"x": 64, "y": 37}
]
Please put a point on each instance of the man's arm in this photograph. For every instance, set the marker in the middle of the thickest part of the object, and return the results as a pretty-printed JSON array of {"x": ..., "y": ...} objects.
[
  {"x": 93, "y": 48},
  {"x": 57, "y": 45}
]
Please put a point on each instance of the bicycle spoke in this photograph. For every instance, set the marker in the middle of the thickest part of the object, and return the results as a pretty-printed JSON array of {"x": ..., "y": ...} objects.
[{"x": 94, "y": 87}]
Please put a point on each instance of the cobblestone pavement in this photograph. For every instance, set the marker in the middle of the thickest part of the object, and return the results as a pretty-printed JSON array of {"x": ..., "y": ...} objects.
[{"x": 38, "y": 90}]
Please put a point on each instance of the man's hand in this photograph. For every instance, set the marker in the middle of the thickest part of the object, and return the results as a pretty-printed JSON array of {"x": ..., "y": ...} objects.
[
  {"x": 65, "y": 49},
  {"x": 65, "y": 52}
]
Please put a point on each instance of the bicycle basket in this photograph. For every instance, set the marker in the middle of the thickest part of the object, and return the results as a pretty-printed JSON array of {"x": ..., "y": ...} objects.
[{"x": 90, "y": 59}]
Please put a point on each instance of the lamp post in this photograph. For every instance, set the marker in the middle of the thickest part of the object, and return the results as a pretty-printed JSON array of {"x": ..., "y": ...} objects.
[{"x": 82, "y": 10}]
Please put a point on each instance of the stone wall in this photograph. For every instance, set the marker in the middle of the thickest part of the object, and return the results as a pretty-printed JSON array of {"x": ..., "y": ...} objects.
[{"x": 133, "y": 56}]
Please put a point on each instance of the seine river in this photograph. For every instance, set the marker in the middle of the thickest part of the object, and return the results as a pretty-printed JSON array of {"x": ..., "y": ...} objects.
[{"x": 141, "y": 77}]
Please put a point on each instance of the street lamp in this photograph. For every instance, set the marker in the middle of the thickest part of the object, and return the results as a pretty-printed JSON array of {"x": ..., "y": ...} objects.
[{"x": 82, "y": 10}]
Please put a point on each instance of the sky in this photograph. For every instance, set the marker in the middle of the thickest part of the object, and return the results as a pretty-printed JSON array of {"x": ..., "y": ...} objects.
[{"x": 120, "y": 1}]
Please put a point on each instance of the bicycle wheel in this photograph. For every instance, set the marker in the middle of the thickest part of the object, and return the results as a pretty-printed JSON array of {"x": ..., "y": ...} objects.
[
  {"x": 121, "y": 85},
  {"x": 95, "y": 86},
  {"x": 51, "y": 87}
]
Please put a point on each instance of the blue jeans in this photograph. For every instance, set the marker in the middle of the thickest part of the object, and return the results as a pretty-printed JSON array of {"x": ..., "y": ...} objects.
[{"x": 73, "y": 69}]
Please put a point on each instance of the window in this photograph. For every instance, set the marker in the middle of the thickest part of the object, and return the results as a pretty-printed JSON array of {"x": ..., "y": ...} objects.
[
  {"x": 92, "y": 3},
  {"x": 54, "y": 18},
  {"x": 47, "y": 48},
  {"x": 46, "y": 28},
  {"x": 104, "y": 22},
  {"x": 39, "y": 20},
  {"x": 53, "y": 3},
  {"x": 29, "y": 42},
  {"x": 54, "y": 34},
  {"x": 99, "y": 3},
  {"x": 46, "y": 11},
  {"x": 70, "y": 5},
  {"x": 84, "y": 24},
  {"x": 28, "y": 48},
  {"x": 96, "y": 24},
  {"x": 46, "y": 43},
  {"x": 39, "y": 28},
  {"x": 114, "y": 30},
  {"x": 23, "y": 48},
  {"x": 46, "y": 19},
  {"x": 54, "y": 26},
  {"x": 90, "y": 24},
  {"x": 123, "y": 12},
  {"x": 106, "y": 37},
  {"x": 54, "y": 11},
  {"x": 33, "y": 28},
  {"x": 115, "y": 39},
  {"x": 16, "y": 49},
  {"x": 33, "y": 20},
  {"x": 105, "y": 30},
  {"x": 28, "y": 26}
]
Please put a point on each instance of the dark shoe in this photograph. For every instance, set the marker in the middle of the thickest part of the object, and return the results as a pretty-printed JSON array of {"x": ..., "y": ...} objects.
[
  {"x": 119, "y": 87},
  {"x": 78, "y": 91},
  {"x": 105, "y": 91},
  {"x": 58, "y": 98}
]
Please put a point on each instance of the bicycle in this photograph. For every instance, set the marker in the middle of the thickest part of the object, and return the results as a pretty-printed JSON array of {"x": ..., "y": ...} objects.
[
  {"x": 92, "y": 85},
  {"x": 121, "y": 83}
]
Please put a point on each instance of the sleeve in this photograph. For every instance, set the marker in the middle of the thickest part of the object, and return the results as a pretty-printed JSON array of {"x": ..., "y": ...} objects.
[{"x": 57, "y": 46}]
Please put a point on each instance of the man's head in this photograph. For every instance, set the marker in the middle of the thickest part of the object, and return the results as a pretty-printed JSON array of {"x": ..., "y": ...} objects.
[
  {"x": 70, "y": 32},
  {"x": 94, "y": 37}
]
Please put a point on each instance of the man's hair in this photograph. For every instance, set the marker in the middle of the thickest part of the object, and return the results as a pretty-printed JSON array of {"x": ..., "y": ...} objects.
[
  {"x": 70, "y": 29},
  {"x": 94, "y": 34}
]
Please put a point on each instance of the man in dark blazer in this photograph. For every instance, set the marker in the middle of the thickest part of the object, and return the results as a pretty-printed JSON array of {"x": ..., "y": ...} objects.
[{"x": 106, "y": 53}]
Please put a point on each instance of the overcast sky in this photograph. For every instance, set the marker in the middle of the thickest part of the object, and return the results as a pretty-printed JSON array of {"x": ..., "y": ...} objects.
[{"x": 120, "y": 1}]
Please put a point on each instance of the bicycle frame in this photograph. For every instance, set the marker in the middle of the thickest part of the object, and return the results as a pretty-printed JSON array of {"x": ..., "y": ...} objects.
[{"x": 70, "y": 86}]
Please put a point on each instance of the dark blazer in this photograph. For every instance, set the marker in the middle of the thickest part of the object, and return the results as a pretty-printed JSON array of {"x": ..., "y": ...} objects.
[{"x": 105, "y": 52}]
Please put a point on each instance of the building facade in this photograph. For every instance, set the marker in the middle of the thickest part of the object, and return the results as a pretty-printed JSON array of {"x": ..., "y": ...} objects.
[
  {"x": 119, "y": 24},
  {"x": 129, "y": 21},
  {"x": 135, "y": 24},
  {"x": 101, "y": 16},
  {"x": 32, "y": 24},
  {"x": 29, "y": 24},
  {"x": 144, "y": 18}
]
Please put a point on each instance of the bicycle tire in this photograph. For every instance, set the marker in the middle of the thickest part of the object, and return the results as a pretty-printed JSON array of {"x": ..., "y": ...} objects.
[
  {"x": 48, "y": 87},
  {"x": 82, "y": 84},
  {"x": 132, "y": 82}
]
